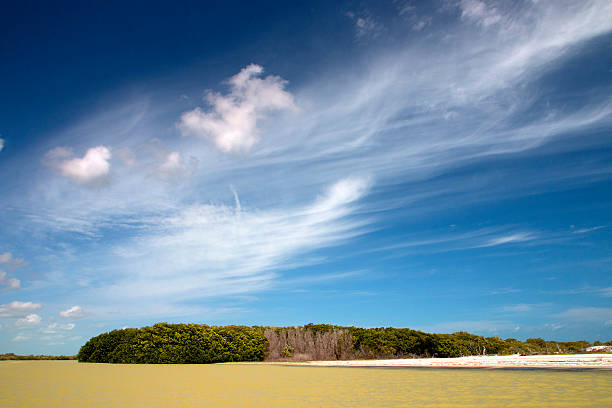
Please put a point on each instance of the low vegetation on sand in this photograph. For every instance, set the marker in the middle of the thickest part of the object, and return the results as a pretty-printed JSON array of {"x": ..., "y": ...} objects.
[
  {"x": 198, "y": 343},
  {"x": 12, "y": 356}
]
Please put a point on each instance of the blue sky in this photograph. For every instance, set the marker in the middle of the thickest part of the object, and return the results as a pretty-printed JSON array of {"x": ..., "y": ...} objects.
[{"x": 440, "y": 165}]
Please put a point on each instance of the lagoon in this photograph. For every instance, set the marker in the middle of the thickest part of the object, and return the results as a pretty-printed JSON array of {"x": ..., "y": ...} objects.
[{"x": 72, "y": 384}]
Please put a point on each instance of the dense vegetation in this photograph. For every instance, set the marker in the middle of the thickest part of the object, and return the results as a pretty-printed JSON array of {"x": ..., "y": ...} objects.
[
  {"x": 12, "y": 356},
  {"x": 196, "y": 343},
  {"x": 166, "y": 343}
]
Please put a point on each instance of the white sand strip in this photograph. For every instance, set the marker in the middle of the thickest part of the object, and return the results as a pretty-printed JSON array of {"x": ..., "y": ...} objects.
[{"x": 574, "y": 361}]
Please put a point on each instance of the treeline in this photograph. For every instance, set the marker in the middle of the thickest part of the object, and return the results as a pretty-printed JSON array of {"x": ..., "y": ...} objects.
[
  {"x": 12, "y": 356},
  {"x": 197, "y": 343},
  {"x": 328, "y": 342},
  {"x": 166, "y": 343}
]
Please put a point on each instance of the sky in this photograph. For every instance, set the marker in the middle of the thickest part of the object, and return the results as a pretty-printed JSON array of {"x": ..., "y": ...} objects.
[{"x": 438, "y": 165}]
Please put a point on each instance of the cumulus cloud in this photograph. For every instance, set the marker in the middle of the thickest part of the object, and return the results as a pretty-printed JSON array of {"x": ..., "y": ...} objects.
[
  {"x": 30, "y": 320},
  {"x": 1, "y": 144},
  {"x": 9, "y": 283},
  {"x": 5, "y": 257},
  {"x": 11, "y": 262},
  {"x": 73, "y": 313},
  {"x": 152, "y": 159},
  {"x": 232, "y": 121},
  {"x": 91, "y": 170},
  {"x": 174, "y": 166},
  {"x": 18, "y": 309}
]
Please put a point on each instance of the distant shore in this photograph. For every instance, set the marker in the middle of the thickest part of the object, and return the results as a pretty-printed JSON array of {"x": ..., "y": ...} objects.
[{"x": 571, "y": 361}]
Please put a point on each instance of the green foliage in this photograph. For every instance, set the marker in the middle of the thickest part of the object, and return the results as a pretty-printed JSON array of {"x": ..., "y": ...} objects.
[
  {"x": 166, "y": 343},
  {"x": 287, "y": 351}
]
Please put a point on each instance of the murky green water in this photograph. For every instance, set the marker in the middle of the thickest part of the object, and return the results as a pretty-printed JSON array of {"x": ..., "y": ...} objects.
[{"x": 70, "y": 384}]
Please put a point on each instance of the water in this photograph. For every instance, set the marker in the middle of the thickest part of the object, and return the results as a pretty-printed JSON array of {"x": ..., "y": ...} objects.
[{"x": 71, "y": 384}]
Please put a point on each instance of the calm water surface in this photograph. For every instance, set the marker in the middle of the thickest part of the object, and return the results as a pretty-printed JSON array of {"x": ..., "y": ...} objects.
[{"x": 71, "y": 384}]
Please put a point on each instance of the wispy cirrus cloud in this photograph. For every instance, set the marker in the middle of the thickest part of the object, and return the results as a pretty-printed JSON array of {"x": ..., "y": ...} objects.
[
  {"x": 365, "y": 25},
  {"x": 480, "y": 12},
  {"x": 509, "y": 239},
  {"x": 468, "y": 240},
  {"x": 524, "y": 307},
  {"x": 586, "y": 230},
  {"x": 584, "y": 290},
  {"x": 582, "y": 315},
  {"x": 209, "y": 250}
]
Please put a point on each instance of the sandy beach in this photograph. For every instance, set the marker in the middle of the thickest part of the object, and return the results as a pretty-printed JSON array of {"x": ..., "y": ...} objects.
[{"x": 573, "y": 361}]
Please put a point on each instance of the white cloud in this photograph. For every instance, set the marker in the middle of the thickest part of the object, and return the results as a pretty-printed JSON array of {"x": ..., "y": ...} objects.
[
  {"x": 18, "y": 309},
  {"x": 605, "y": 292},
  {"x": 174, "y": 166},
  {"x": 420, "y": 25},
  {"x": 30, "y": 320},
  {"x": 21, "y": 337},
  {"x": 601, "y": 315},
  {"x": 73, "y": 312},
  {"x": 524, "y": 307},
  {"x": 459, "y": 241},
  {"x": 509, "y": 239},
  {"x": 585, "y": 230},
  {"x": 554, "y": 326},
  {"x": 1, "y": 144},
  {"x": 91, "y": 170},
  {"x": 404, "y": 6},
  {"x": 232, "y": 122},
  {"x": 517, "y": 308},
  {"x": 12, "y": 264},
  {"x": 213, "y": 250},
  {"x": 365, "y": 25},
  {"x": 56, "y": 328},
  {"x": 480, "y": 12},
  {"x": 151, "y": 158},
  {"x": 10, "y": 283}
]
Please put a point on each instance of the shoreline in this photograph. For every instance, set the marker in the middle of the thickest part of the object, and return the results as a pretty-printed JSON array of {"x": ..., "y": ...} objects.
[{"x": 571, "y": 361}]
